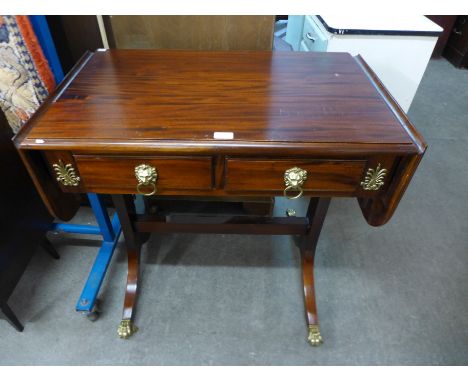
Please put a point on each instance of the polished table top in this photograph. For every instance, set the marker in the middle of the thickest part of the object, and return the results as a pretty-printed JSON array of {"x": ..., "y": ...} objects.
[{"x": 293, "y": 97}]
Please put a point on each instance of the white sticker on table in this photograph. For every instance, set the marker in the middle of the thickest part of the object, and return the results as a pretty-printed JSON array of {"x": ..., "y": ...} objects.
[{"x": 223, "y": 135}]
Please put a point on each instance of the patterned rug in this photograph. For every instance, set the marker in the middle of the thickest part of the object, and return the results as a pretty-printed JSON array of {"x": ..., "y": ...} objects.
[{"x": 25, "y": 75}]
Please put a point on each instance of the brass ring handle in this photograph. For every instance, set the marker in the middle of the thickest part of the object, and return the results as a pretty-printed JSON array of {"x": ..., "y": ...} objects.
[
  {"x": 146, "y": 176},
  {"x": 294, "y": 188},
  {"x": 294, "y": 178},
  {"x": 153, "y": 191}
]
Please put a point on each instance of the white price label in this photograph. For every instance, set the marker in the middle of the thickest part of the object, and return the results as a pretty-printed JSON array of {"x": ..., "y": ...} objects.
[{"x": 223, "y": 135}]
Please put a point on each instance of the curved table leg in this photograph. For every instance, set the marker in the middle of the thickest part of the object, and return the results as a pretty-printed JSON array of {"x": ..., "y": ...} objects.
[
  {"x": 127, "y": 327},
  {"x": 316, "y": 213},
  {"x": 124, "y": 206}
]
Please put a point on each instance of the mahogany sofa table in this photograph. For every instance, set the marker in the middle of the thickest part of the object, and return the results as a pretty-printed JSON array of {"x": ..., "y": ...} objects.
[{"x": 221, "y": 125}]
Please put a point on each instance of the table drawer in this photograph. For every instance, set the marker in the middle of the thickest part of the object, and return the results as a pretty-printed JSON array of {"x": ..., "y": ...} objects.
[
  {"x": 109, "y": 174},
  {"x": 268, "y": 175}
]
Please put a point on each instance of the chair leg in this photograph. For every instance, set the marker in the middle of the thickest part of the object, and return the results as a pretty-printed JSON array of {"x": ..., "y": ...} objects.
[
  {"x": 11, "y": 317},
  {"x": 316, "y": 213}
]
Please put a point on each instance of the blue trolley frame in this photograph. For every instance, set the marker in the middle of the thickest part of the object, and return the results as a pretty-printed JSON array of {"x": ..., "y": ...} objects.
[{"x": 109, "y": 230}]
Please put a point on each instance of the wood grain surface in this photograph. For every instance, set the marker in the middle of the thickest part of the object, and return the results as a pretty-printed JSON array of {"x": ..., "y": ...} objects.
[
  {"x": 189, "y": 95},
  {"x": 200, "y": 32},
  {"x": 281, "y": 107},
  {"x": 268, "y": 175},
  {"x": 104, "y": 174}
]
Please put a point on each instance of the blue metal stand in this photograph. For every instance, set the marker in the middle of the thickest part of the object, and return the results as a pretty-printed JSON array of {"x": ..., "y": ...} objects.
[
  {"x": 42, "y": 31},
  {"x": 110, "y": 231}
]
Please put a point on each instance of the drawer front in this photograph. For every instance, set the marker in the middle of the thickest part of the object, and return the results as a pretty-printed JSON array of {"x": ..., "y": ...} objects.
[
  {"x": 312, "y": 37},
  {"x": 341, "y": 176},
  {"x": 108, "y": 174}
]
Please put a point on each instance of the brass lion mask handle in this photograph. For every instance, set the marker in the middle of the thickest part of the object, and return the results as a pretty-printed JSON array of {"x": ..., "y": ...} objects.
[
  {"x": 294, "y": 179},
  {"x": 146, "y": 176}
]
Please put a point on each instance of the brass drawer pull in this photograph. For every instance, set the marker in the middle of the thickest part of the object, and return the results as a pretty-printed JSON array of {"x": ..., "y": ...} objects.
[
  {"x": 294, "y": 178},
  {"x": 146, "y": 176},
  {"x": 66, "y": 174}
]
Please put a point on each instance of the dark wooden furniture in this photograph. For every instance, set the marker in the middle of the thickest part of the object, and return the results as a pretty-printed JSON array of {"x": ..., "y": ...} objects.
[
  {"x": 23, "y": 223},
  {"x": 446, "y": 22},
  {"x": 456, "y": 50},
  {"x": 74, "y": 35},
  {"x": 222, "y": 125}
]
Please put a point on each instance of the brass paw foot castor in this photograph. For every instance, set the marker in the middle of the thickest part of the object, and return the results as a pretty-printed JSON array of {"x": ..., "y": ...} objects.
[
  {"x": 315, "y": 339},
  {"x": 126, "y": 329}
]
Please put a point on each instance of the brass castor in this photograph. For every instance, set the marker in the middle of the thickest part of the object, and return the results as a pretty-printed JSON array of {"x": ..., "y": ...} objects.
[
  {"x": 315, "y": 339},
  {"x": 126, "y": 329}
]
